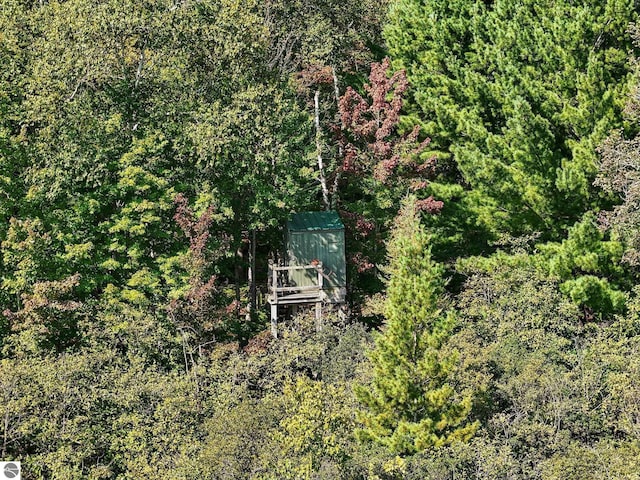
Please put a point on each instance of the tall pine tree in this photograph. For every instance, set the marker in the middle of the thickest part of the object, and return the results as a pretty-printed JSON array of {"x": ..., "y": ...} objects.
[
  {"x": 516, "y": 96},
  {"x": 410, "y": 404}
]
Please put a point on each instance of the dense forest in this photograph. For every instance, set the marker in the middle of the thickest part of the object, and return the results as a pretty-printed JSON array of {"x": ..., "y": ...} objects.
[{"x": 484, "y": 157}]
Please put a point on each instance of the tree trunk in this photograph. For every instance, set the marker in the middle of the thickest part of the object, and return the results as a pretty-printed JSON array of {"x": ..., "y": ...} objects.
[
  {"x": 238, "y": 265},
  {"x": 252, "y": 275},
  {"x": 321, "y": 175},
  {"x": 336, "y": 178}
]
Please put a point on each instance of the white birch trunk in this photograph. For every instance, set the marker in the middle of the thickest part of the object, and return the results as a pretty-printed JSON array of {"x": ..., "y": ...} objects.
[{"x": 321, "y": 174}]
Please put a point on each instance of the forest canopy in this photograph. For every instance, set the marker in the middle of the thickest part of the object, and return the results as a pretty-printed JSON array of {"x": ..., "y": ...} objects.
[{"x": 483, "y": 157}]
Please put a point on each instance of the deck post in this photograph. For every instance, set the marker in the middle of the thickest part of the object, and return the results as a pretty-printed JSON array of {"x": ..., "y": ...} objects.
[
  {"x": 320, "y": 276},
  {"x": 319, "y": 303},
  {"x": 318, "y": 316},
  {"x": 274, "y": 320},
  {"x": 274, "y": 280},
  {"x": 274, "y": 299}
]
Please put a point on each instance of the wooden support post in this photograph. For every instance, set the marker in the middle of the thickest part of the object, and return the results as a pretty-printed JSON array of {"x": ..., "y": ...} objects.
[
  {"x": 274, "y": 282},
  {"x": 253, "y": 290},
  {"x": 318, "y": 316},
  {"x": 320, "y": 276},
  {"x": 274, "y": 320},
  {"x": 273, "y": 299},
  {"x": 319, "y": 303}
]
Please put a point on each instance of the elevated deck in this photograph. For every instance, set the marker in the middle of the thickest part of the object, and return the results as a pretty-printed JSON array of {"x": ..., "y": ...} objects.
[
  {"x": 281, "y": 292},
  {"x": 295, "y": 298}
]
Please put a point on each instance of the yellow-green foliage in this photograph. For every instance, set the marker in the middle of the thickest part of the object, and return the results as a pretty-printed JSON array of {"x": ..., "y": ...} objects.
[
  {"x": 316, "y": 431},
  {"x": 410, "y": 404}
]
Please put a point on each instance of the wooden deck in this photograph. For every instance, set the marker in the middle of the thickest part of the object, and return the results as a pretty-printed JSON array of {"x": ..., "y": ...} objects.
[
  {"x": 281, "y": 293},
  {"x": 302, "y": 297}
]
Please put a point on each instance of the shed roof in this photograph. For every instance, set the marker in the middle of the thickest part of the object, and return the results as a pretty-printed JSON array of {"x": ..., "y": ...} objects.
[{"x": 310, "y": 221}]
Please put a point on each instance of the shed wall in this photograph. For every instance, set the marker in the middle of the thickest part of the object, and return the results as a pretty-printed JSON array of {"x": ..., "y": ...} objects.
[{"x": 325, "y": 245}]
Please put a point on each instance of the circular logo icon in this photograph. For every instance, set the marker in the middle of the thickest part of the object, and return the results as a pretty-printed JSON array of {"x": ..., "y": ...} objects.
[{"x": 11, "y": 470}]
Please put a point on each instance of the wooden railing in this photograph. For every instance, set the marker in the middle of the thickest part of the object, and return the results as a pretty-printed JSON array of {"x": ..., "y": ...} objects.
[
  {"x": 279, "y": 284},
  {"x": 282, "y": 293}
]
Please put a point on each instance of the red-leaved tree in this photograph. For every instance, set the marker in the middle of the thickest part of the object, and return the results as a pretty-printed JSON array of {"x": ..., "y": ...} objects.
[
  {"x": 196, "y": 309},
  {"x": 379, "y": 165},
  {"x": 368, "y": 130}
]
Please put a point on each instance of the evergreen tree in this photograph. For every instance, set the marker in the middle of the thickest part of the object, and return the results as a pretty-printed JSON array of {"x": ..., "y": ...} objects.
[
  {"x": 516, "y": 96},
  {"x": 410, "y": 404}
]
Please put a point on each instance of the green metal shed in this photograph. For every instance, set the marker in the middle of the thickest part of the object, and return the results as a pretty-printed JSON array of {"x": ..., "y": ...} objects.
[{"x": 318, "y": 237}]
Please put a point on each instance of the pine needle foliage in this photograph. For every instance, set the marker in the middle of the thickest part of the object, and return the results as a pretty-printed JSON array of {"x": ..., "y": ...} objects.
[{"x": 410, "y": 404}]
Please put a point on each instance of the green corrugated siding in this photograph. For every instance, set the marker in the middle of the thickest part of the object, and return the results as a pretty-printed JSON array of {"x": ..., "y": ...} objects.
[{"x": 326, "y": 246}]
